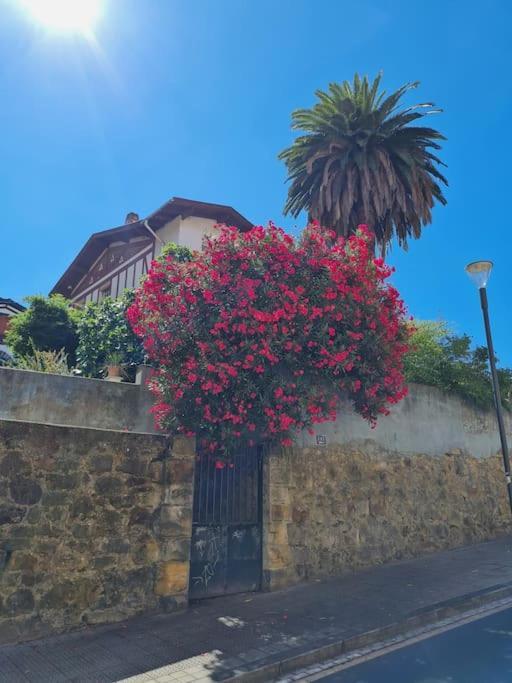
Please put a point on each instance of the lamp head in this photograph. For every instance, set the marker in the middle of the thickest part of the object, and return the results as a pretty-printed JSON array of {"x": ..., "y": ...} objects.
[{"x": 479, "y": 272}]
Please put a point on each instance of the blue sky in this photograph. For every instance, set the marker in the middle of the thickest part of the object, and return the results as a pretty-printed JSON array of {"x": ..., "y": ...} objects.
[{"x": 193, "y": 98}]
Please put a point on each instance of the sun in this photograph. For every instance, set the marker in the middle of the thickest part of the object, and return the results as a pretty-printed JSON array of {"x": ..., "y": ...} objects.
[{"x": 73, "y": 16}]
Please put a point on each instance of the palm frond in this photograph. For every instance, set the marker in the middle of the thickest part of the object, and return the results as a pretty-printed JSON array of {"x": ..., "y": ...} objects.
[{"x": 362, "y": 157}]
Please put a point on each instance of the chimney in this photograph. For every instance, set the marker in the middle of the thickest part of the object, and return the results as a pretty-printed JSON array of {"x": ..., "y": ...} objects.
[{"x": 131, "y": 218}]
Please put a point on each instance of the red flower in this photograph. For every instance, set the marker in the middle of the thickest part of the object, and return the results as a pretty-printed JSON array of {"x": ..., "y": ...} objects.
[{"x": 238, "y": 334}]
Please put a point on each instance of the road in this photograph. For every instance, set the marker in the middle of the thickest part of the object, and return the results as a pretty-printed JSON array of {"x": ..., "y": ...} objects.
[{"x": 477, "y": 652}]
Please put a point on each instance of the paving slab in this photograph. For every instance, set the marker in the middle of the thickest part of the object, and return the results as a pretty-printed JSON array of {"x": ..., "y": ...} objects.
[{"x": 251, "y": 635}]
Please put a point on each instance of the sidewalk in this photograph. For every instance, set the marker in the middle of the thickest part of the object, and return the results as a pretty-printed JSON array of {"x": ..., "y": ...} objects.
[{"x": 218, "y": 639}]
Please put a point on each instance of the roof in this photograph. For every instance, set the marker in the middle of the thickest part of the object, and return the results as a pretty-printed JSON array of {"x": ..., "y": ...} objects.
[
  {"x": 177, "y": 206},
  {"x": 10, "y": 303}
]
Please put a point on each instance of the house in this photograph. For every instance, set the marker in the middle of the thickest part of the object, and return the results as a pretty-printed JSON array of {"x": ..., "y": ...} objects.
[
  {"x": 8, "y": 308},
  {"x": 114, "y": 260}
]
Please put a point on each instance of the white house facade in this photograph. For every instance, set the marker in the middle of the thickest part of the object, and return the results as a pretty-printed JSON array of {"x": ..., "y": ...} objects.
[{"x": 114, "y": 260}]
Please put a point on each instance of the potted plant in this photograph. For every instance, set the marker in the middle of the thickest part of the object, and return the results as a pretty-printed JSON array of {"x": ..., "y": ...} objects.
[
  {"x": 114, "y": 367},
  {"x": 103, "y": 333}
]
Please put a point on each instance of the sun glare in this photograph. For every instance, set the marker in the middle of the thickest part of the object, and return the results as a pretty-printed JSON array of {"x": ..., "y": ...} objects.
[{"x": 77, "y": 16}]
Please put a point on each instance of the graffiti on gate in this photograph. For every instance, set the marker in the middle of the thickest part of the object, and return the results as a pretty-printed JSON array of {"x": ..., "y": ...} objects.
[{"x": 207, "y": 548}]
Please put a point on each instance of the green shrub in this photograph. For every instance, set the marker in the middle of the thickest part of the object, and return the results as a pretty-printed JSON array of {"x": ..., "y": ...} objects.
[
  {"x": 54, "y": 362},
  {"x": 180, "y": 253},
  {"x": 5, "y": 360},
  {"x": 106, "y": 338},
  {"x": 48, "y": 324},
  {"x": 440, "y": 358}
]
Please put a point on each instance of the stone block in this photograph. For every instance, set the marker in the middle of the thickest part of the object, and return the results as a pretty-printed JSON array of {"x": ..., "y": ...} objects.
[
  {"x": 360, "y": 508},
  {"x": 140, "y": 580},
  {"x": 181, "y": 494},
  {"x": 175, "y": 549},
  {"x": 46, "y": 548},
  {"x": 34, "y": 515},
  {"x": 184, "y": 446},
  {"x": 60, "y": 482},
  {"x": 280, "y": 471},
  {"x": 118, "y": 546},
  {"x": 172, "y": 578},
  {"x": 139, "y": 485},
  {"x": 279, "y": 494},
  {"x": 25, "y": 491},
  {"x": 299, "y": 515},
  {"x": 149, "y": 499},
  {"x": 278, "y": 533},
  {"x": 141, "y": 517},
  {"x": 279, "y": 512},
  {"x": 295, "y": 534},
  {"x": 82, "y": 531},
  {"x": 105, "y": 562},
  {"x": 175, "y": 521},
  {"x": 181, "y": 471},
  {"x": 73, "y": 594},
  {"x": 148, "y": 552},
  {"x": 26, "y": 532},
  {"x": 108, "y": 521},
  {"x": 13, "y": 465},
  {"x": 108, "y": 485},
  {"x": 100, "y": 463},
  {"x": 51, "y": 498},
  {"x": 378, "y": 506},
  {"x": 82, "y": 507},
  {"x": 23, "y": 561},
  {"x": 133, "y": 464},
  {"x": 10, "y": 514},
  {"x": 20, "y": 602},
  {"x": 155, "y": 471},
  {"x": 277, "y": 557}
]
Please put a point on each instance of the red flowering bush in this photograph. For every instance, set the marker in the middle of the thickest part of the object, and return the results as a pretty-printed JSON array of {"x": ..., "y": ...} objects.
[{"x": 259, "y": 335}]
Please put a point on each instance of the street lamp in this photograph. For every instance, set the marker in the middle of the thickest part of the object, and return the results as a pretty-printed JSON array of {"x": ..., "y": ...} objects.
[{"x": 479, "y": 272}]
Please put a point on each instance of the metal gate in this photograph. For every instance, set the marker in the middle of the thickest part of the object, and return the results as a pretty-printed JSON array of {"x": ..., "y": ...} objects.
[{"x": 226, "y": 530}]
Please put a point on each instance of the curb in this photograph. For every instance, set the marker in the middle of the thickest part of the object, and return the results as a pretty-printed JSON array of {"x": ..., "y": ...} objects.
[{"x": 421, "y": 618}]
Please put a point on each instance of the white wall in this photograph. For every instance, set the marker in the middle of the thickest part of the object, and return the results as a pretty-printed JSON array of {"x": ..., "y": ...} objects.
[
  {"x": 427, "y": 421},
  {"x": 193, "y": 229},
  {"x": 170, "y": 232},
  {"x": 187, "y": 232}
]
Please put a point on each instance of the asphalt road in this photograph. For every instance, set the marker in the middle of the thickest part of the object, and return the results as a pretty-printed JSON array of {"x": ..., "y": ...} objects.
[{"x": 478, "y": 652}]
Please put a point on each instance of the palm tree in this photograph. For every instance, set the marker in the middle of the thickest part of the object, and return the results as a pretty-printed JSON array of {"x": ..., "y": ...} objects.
[{"x": 360, "y": 161}]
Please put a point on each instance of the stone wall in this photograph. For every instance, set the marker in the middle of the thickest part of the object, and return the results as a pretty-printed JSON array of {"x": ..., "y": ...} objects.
[
  {"x": 94, "y": 526},
  {"x": 430, "y": 476}
]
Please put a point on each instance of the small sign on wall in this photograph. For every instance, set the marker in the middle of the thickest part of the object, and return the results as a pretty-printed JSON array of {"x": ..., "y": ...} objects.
[{"x": 321, "y": 440}]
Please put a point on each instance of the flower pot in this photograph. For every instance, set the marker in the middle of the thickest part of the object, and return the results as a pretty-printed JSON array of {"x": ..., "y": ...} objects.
[{"x": 114, "y": 373}]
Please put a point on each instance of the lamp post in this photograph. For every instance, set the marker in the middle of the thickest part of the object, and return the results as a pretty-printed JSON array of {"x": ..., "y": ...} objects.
[{"x": 479, "y": 272}]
